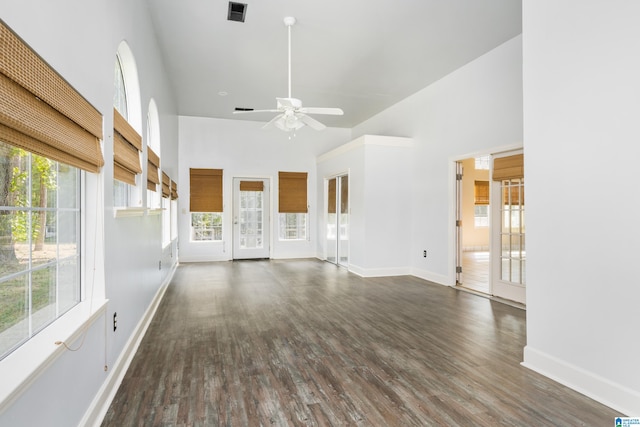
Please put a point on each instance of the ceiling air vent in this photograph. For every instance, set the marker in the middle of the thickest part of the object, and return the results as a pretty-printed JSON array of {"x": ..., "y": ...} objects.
[
  {"x": 237, "y": 11},
  {"x": 243, "y": 109}
]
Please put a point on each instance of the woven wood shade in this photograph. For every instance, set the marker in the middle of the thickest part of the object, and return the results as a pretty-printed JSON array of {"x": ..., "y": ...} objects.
[
  {"x": 127, "y": 144},
  {"x": 481, "y": 192},
  {"x": 292, "y": 195},
  {"x": 331, "y": 200},
  {"x": 174, "y": 190},
  {"x": 510, "y": 167},
  {"x": 41, "y": 113},
  {"x": 251, "y": 186},
  {"x": 206, "y": 190},
  {"x": 166, "y": 185},
  {"x": 153, "y": 166}
]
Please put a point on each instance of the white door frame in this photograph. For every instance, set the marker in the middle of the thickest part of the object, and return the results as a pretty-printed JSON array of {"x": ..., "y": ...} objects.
[{"x": 267, "y": 225}]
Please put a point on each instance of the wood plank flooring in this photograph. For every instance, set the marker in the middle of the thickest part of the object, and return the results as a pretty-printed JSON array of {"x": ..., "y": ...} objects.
[{"x": 305, "y": 343}]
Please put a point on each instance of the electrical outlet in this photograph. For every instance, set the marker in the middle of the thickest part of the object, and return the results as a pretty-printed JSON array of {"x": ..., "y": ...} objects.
[
  {"x": 424, "y": 253},
  {"x": 115, "y": 321}
]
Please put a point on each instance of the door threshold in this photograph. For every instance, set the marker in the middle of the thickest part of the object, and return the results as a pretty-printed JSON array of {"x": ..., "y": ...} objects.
[{"x": 491, "y": 297}]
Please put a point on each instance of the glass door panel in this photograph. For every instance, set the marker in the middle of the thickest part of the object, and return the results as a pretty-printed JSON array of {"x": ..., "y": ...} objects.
[{"x": 250, "y": 218}]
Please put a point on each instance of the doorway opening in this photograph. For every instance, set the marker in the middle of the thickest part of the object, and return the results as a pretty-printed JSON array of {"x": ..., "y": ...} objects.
[{"x": 472, "y": 224}]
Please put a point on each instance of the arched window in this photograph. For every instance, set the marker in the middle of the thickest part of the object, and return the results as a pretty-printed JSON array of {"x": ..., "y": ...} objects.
[{"x": 127, "y": 140}]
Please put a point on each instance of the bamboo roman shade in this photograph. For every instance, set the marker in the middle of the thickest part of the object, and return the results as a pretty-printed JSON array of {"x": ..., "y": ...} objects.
[
  {"x": 510, "y": 167},
  {"x": 292, "y": 195},
  {"x": 481, "y": 192},
  {"x": 127, "y": 145},
  {"x": 331, "y": 202},
  {"x": 166, "y": 185},
  {"x": 174, "y": 190},
  {"x": 206, "y": 190},
  {"x": 41, "y": 113},
  {"x": 153, "y": 167},
  {"x": 251, "y": 186}
]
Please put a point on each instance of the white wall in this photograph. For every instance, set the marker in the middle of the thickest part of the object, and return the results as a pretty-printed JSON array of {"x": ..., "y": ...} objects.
[
  {"x": 79, "y": 39},
  {"x": 476, "y": 109},
  {"x": 243, "y": 149},
  {"x": 379, "y": 202},
  {"x": 581, "y": 110}
]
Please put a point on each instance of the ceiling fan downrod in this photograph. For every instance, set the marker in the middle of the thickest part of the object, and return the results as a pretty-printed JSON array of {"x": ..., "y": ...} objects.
[{"x": 289, "y": 21}]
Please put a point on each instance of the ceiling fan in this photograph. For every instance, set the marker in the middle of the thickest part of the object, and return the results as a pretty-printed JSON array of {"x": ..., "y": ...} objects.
[{"x": 292, "y": 115}]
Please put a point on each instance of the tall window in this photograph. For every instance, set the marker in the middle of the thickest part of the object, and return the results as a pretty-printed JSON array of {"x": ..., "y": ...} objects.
[
  {"x": 44, "y": 143},
  {"x": 205, "y": 204},
  {"x": 39, "y": 243},
  {"x": 292, "y": 205}
]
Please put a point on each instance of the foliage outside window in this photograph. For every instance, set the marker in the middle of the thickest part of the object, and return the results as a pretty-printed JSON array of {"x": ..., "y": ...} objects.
[
  {"x": 293, "y": 226},
  {"x": 39, "y": 243},
  {"x": 206, "y": 226}
]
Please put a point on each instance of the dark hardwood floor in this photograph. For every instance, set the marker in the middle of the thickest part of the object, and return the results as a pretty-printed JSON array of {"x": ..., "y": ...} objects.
[{"x": 305, "y": 343}]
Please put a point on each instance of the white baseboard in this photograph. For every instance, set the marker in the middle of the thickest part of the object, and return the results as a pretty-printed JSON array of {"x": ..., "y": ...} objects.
[
  {"x": 379, "y": 272},
  {"x": 431, "y": 277},
  {"x": 101, "y": 402},
  {"x": 611, "y": 394},
  {"x": 184, "y": 259}
]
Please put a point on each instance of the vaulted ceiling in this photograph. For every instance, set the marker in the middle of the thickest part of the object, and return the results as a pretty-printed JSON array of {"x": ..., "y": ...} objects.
[{"x": 360, "y": 55}]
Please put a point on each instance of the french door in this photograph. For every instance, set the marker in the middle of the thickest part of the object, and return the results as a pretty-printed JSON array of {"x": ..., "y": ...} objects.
[
  {"x": 337, "y": 243},
  {"x": 509, "y": 264},
  {"x": 251, "y": 219}
]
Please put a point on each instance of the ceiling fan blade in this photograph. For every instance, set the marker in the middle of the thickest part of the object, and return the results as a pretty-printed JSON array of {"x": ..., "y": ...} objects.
[
  {"x": 273, "y": 121},
  {"x": 312, "y": 123},
  {"x": 321, "y": 110},
  {"x": 254, "y": 111}
]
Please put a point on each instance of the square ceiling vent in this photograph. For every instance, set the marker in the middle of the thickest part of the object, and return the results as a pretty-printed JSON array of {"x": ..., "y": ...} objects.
[{"x": 237, "y": 11}]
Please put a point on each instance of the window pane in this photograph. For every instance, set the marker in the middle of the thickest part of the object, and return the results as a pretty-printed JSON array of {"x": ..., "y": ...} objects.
[
  {"x": 39, "y": 223},
  {"x": 14, "y": 311},
  {"x": 206, "y": 226}
]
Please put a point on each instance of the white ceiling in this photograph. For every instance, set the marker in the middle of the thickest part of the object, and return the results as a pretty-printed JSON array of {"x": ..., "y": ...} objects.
[{"x": 360, "y": 55}]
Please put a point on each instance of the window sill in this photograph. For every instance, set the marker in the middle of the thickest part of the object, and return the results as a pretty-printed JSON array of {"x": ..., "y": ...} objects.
[
  {"x": 128, "y": 212},
  {"x": 22, "y": 367},
  {"x": 156, "y": 211}
]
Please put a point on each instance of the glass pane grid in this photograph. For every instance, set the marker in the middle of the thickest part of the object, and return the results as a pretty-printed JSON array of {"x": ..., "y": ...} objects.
[
  {"x": 250, "y": 219},
  {"x": 513, "y": 253},
  {"x": 39, "y": 233}
]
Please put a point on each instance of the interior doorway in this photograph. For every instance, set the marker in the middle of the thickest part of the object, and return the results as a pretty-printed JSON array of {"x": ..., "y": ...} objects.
[
  {"x": 472, "y": 224},
  {"x": 251, "y": 219},
  {"x": 337, "y": 243}
]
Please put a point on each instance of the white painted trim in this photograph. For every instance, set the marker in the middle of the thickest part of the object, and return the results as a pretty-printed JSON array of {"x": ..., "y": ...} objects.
[
  {"x": 100, "y": 405},
  {"x": 432, "y": 277},
  {"x": 607, "y": 392},
  {"x": 379, "y": 272},
  {"x": 201, "y": 258},
  {"x": 387, "y": 141},
  {"x": 21, "y": 368},
  {"x": 128, "y": 212}
]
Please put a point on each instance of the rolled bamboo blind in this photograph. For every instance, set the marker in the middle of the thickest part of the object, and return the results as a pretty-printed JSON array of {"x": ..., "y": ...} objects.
[
  {"x": 481, "y": 192},
  {"x": 41, "y": 113},
  {"x": 251, "y": 186},
  {"x": 292, "y": 195},
  {"x": 153, "y": 166},
  {"x": 174, "y": 190},
  {"x": 510, "y": 167},
  {"x": 206, "y": 190},
  {"x": 166, "y": 185},
  {"x": 127, "y": 144},
  {"x": 331, "y": 202}
]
